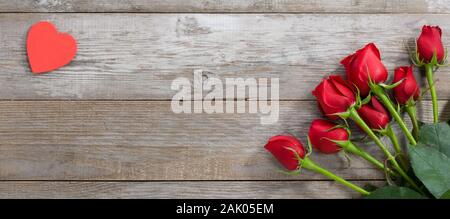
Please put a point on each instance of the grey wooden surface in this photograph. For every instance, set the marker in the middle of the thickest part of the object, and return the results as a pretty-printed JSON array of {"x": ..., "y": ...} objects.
[
  {"x": 137, "y": 56},
  {"x": 186, "y": 189},
  {"x": 144, "y": 140},
  {"x": 229, "y": 6},
  {"x": 102, "y": 127}
]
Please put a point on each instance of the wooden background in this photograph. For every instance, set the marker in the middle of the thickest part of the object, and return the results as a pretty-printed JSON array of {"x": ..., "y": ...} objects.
[{"x": 102, "y": 127}]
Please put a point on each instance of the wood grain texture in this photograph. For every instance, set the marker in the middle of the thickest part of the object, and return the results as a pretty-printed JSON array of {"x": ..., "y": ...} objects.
[
  {"x": 121, "y": 140},
  {"x": 180, "y": 190},
  {"x": 144, "y": 140},
  {"x": 137, "y": 56},
  {"x": 249, "y": 6}
]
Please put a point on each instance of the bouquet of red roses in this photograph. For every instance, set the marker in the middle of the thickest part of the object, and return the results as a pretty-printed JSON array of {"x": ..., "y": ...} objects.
[{"x": 422, "y": 170}]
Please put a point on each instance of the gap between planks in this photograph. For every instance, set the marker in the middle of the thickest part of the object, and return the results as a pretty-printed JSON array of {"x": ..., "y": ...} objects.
[{"x": 190, "y": 180}]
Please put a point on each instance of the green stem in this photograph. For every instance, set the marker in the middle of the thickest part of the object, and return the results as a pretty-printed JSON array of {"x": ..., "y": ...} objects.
[
  {"x": 379, "y": 92},
  {"x": 398, "y": 149},
  {"x": 352, "y": 148},
  {"x": 355, "y": 117},
  {"x": 309, "y": 164},
  {"x": 412, "y": 112},
  {"x": 429, "y": 75}
]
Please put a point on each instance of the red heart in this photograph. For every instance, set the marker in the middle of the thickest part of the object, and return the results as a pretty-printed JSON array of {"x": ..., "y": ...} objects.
[{"x": 47, "y": 49}]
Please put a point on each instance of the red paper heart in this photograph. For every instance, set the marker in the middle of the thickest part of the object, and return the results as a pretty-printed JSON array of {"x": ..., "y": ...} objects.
[{"x": 47, "y": 49}]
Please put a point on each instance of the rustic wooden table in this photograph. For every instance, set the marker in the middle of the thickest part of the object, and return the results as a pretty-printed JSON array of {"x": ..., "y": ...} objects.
[{"x": 102, "y": 127}]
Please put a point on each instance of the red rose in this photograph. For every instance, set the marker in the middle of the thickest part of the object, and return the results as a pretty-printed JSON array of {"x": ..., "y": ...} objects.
[
  {"x": 283, "y": 147},
  {"x": 408, "y": 88},
  {"x": 363, "y": 62},
  {"x": 334, "y": 95},
  {"x": 322, "y": 131},
  {"x": 429, "y": 42},
  {"x": 374, "y": 114}
]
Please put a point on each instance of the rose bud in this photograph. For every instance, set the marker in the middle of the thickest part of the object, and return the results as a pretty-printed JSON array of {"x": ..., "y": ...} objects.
[
  {"x": 374, "y": 114},
  {"x": 284, "y": 149},
  {"x": 429, "y": 43},
  {"x": 322, "y": 133},
  {"x": 363, "y": 62},
  {"x": 408, "y": 88},
  {"x": 334, "y": 96}
]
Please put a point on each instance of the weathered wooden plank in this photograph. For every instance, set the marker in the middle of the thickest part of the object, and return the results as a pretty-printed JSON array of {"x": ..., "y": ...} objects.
[
  {"x": 180, "y": 190},
  {"x": 137, "y": 56},
  {"x": 144, "y": 140},
  {"x": 339, "y": 6}
]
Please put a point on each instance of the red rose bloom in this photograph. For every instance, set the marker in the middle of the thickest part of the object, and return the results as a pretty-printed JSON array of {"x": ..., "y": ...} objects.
[
  {"x": 363, "y": 62},
  {"x": 374, "y": 114},
  {"x": 283, "y": 147},
  {"x": 334, "y": 95},
  {"x": 322, "y": 131},
  {"x": 429, "y": 42},
  {"x": 408, "y": 88}
]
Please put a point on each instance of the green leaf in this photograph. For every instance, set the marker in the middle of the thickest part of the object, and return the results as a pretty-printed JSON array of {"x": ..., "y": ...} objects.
[
  {"x": 394, "y": 192},
  {"x": 431, "y": 167},
  {"x": 436, "y": 136},
  {"x": 446, "y": 195}
]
